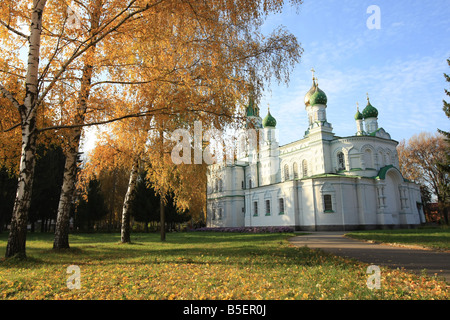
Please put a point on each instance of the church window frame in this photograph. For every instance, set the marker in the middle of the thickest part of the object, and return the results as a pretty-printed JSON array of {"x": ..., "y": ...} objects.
[
  {"x": 340, "y": 161},
  {"x": 281, "y": 206},
  {"x": 328, "y": 203},
  {"x": 255, "y": 208},
  {"x": 305, "y": 168},
  {"x": 286, "y": 172},
  {"x": 295, "y": 170},
  {"x": 368, "y": 158},
  {"x": 267, "y": 202},
  {"x": 328, "y": 195}
]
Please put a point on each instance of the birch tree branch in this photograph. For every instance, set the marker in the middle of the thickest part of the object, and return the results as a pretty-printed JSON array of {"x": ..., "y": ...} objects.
[
  {"x": 93, "y": 40},
  {"x": 9, "y": 96},
  {"x": 7, "y": 26}
]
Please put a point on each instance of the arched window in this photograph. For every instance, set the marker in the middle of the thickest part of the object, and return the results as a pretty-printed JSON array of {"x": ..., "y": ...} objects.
[
  {"x": 286, "y": 172},
  {"x": 327, "y": 203},
  {"x": 295, "y": 170},
  {"x": 381, "y": 159},
  {"x": 255, "y": 208},
  {"x": 368, "y": 159},
  {"x": 388, "y": 160},
  {"x": 341, "y": 161},
  {"x": 267, "y": 207},
  {"x": 305, "y": 168},
  {"x": 281, "y": 205}
]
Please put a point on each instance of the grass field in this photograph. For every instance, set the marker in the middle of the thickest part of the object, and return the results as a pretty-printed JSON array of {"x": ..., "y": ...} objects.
[
  {"x": 198, "y": 265},
  {"x": 433, "y": 238}
]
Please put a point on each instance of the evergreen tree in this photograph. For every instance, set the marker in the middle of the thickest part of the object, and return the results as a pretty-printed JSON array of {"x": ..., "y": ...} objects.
[
  {"x": 47, "y": 184},
  {"x": 91, "y": 209},
  {"x": 145, "y": 203},
  {"x": 446, "y": 106},
  {"x": 445, "y": 166},
  {"x": 145, "y": 206},
  {"x": 173, "y": 216},
  {"x": 8, "y": 186}
]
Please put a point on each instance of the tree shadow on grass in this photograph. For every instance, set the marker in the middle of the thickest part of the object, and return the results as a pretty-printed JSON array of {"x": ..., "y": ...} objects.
[{"x": 204, "y": 248}]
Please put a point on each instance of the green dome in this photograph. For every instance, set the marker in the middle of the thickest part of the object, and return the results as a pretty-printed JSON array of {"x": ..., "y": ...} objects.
[
  {"x": 318, "y": 97},
  {"x": 358, "y": 115},
  {"x": 269, "y": 121},
  {"x": 370, "y": 111},
  {"x": 310, "y": 93}
]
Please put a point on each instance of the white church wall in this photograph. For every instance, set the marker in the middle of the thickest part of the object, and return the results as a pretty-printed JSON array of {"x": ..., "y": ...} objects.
[
  {"x": 226, "y": 212},
  {"x": 307, "y": 204},
  {"x": 331, "y": 216},
  {"x": 368, "y": 202},
  {"x": 269, "y": 211},
  {"x": 347, "y": 200}
]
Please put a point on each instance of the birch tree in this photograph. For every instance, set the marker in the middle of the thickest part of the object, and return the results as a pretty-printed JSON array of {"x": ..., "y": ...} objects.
[
  {"x": 202, "y": 51},
  {"x": 27, "y": 112},
  {"x": 47, "y": 23}
]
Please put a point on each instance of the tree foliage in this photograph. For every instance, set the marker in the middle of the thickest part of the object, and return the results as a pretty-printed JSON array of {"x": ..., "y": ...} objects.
[
  {"x": 446, "y": 107},
  {"x": 100, "y": 61},
  {"x": 445, "y": 164},
  {"x": 420, "y": 158}
]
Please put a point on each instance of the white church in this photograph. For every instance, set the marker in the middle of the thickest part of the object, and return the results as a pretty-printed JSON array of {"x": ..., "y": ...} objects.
[{"x": 319, "y": 182}]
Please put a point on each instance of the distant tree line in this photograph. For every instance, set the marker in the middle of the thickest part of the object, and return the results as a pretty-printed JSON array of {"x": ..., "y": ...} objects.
[
  {"x": 95, "y": 210},
  {"x": 46, "y": 189}
]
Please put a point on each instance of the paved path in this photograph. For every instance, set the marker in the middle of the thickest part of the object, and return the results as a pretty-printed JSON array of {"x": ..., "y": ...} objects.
[{"x": 414, "y": 260}]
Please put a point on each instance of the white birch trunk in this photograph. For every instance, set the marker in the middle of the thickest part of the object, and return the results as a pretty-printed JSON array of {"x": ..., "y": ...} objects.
[
  {"x": 126, "y": 212},
  {"x": 19, "y": 220},
  {"x": 61, "y": 240}
]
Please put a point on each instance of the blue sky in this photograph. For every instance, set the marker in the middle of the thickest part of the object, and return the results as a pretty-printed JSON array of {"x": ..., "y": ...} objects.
[{"x": 400, "y": 65}]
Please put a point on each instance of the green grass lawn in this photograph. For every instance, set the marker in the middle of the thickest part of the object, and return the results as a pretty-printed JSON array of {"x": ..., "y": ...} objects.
[
  {"x": 198, "y": 265},
  {"x": 433, "y": 238}
]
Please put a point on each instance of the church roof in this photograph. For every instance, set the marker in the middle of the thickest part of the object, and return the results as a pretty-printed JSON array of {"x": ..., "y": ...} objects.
[
  {"x": 315, "y": 95},
  {"x": 269, "y": 120},
  {"x": 310, "y": 92},
  {"x": 369, "y": 111},
  {"x": 318, "y": 97},
  {"x": 358, "y": 115},
  {"x": 251, "y": 109}
]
